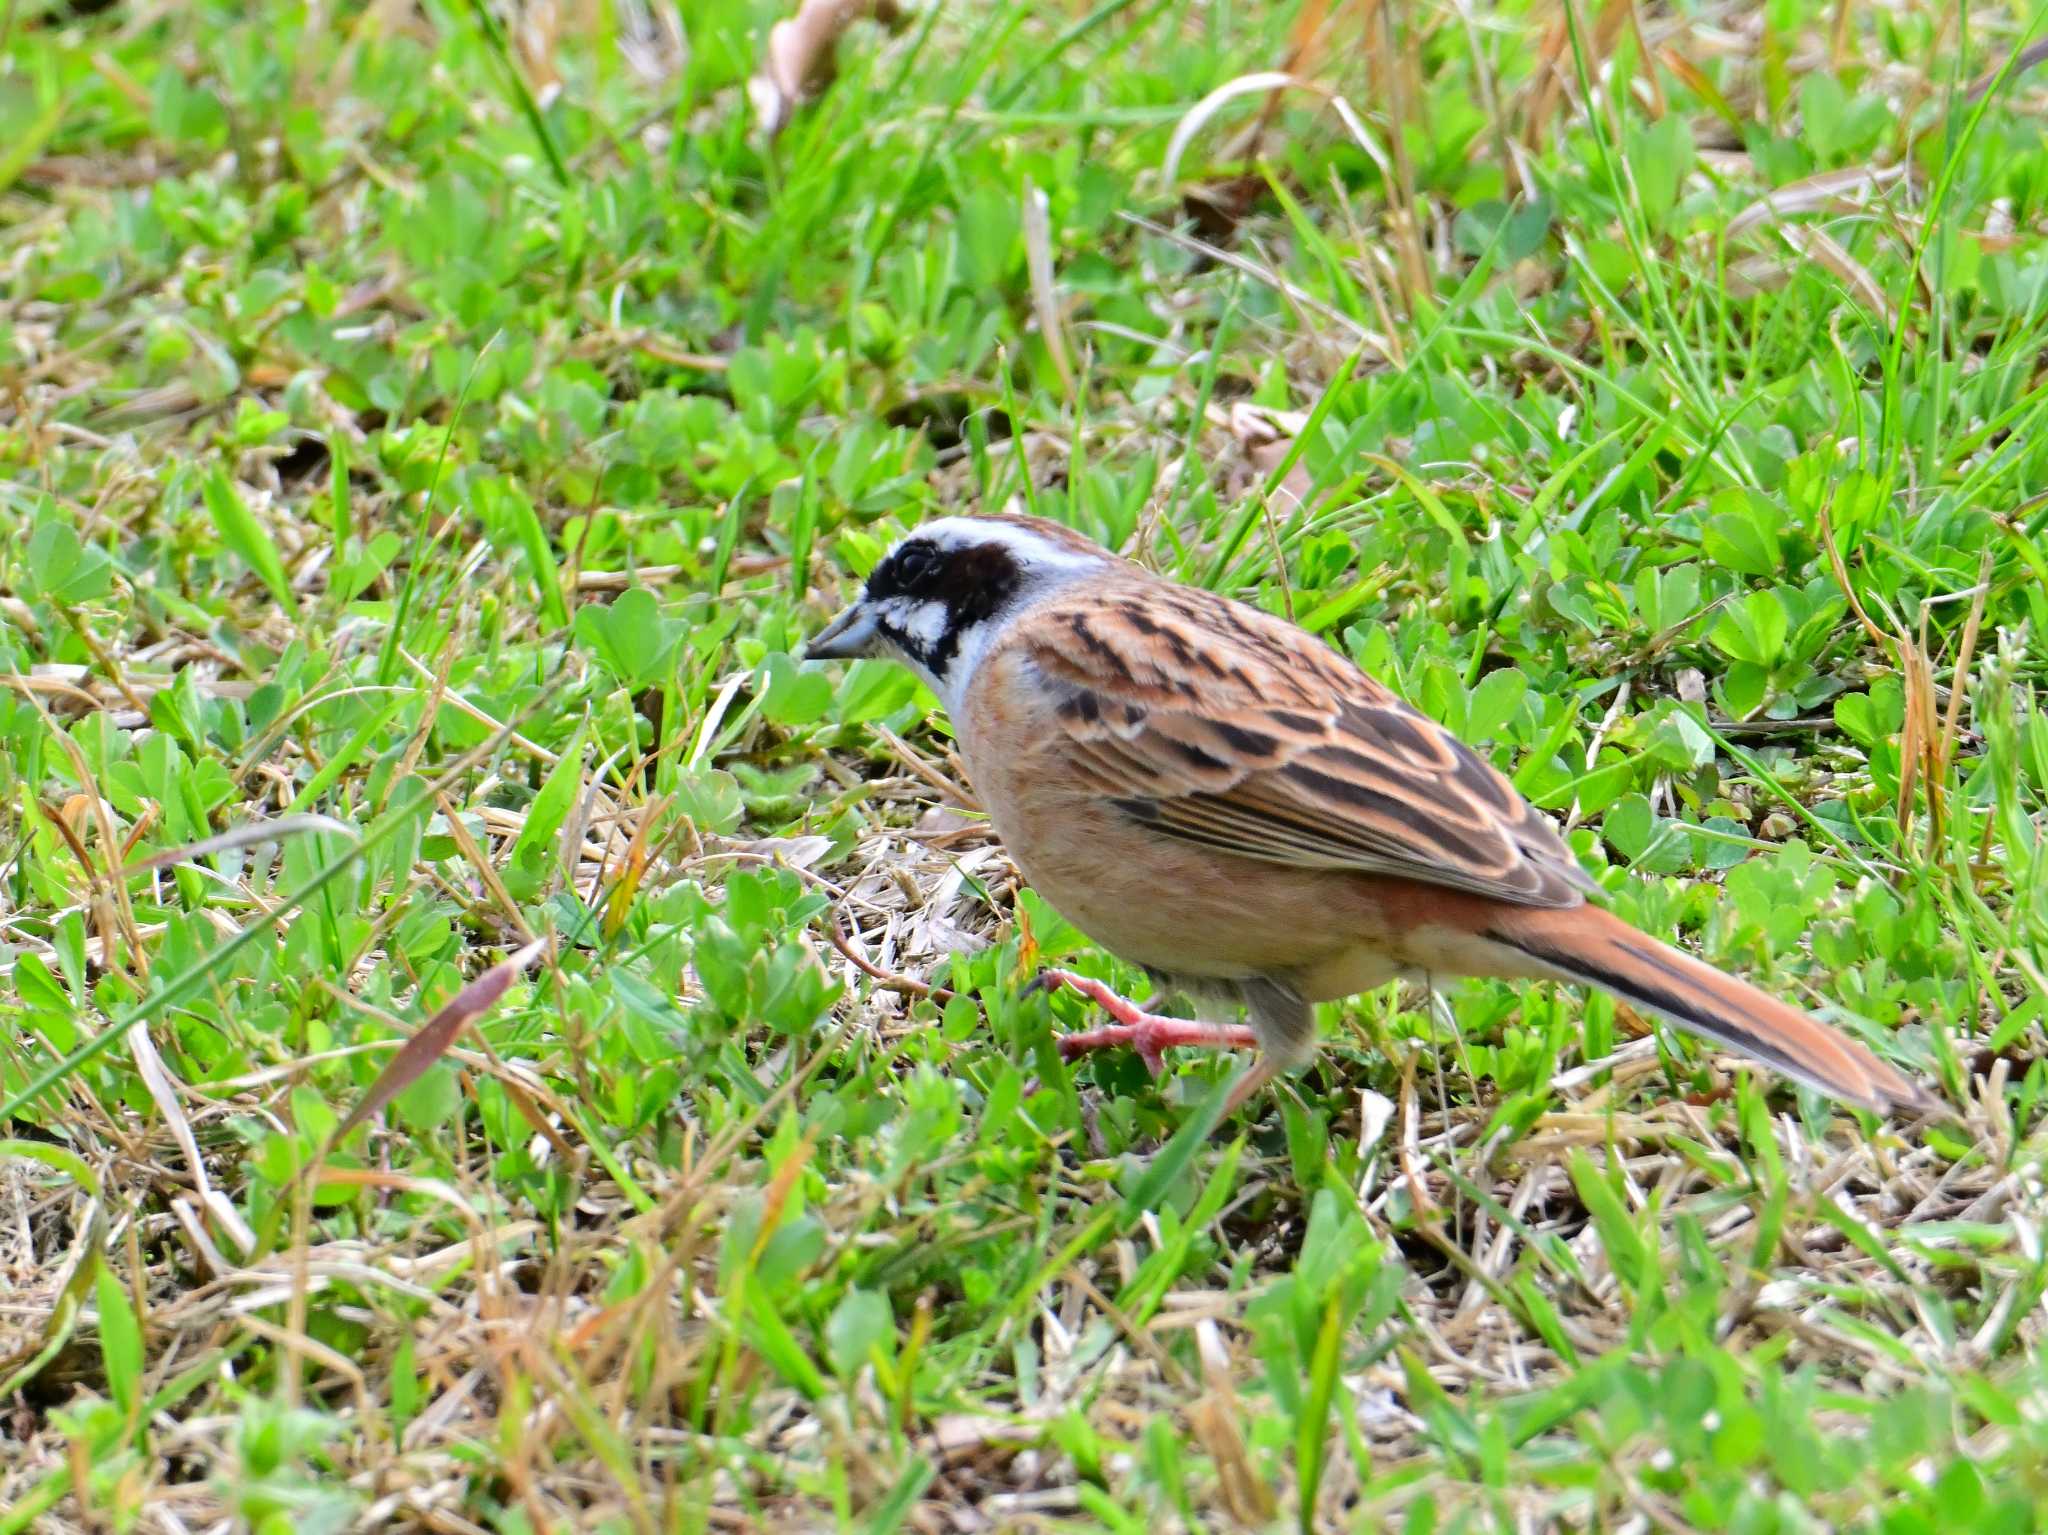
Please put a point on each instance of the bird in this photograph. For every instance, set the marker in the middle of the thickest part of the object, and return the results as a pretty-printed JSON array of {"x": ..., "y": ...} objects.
[{"x": 1213, "y": 794}]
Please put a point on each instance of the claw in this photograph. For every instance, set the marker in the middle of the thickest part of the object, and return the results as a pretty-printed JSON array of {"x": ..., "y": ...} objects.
[{"x": 1150, "y": 1034}]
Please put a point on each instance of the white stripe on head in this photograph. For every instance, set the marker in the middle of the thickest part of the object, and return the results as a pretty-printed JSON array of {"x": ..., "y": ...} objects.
[{"x": 1034, "y": 551}]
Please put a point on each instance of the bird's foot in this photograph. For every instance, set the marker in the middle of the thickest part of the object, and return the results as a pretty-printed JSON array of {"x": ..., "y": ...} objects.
[{"x": 1150, "y": 1034}]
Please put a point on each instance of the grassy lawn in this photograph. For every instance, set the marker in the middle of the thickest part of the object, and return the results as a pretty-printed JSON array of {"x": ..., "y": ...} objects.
[{"x": 426, "y": 431}]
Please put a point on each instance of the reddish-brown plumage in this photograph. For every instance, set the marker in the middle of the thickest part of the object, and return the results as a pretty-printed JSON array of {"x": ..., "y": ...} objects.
[
  {"x": 1215, "y": 794},
  {"x": 1590, "y": 945}
]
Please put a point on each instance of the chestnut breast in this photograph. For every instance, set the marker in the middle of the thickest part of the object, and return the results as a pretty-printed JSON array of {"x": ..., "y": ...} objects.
[{"x": 1170, "y": 905}]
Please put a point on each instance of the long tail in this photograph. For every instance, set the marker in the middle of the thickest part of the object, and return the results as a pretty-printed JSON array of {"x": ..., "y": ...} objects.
[{"x": 1587, "y": 944}]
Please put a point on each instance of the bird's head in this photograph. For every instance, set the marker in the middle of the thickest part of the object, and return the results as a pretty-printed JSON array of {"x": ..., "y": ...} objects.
[{"x": 943, "y": 592}]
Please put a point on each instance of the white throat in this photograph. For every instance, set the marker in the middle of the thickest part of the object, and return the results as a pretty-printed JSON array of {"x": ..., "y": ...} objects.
[{"x": 975, "y": 644}]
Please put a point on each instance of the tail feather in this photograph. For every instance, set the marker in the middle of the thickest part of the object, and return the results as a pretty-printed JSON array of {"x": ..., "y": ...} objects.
[{"x": 1589, "y": 945}]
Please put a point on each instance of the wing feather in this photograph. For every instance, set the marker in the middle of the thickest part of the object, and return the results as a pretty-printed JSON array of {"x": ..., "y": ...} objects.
[{"x": 1223, "y": 726}]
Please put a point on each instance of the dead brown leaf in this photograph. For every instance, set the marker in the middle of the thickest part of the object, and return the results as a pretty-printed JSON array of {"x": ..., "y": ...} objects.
[
  {"x": 438, "y": 1033},
  {"x": 1836, "y": 191},
  {"x": 1826, "y": 252},
  {"x": 1267, "y": 437},
  {"x": 798, "y": 63}
]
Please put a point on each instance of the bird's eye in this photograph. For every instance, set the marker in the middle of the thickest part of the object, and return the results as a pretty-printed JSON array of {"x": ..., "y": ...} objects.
[{"x": 916, "y": 564}]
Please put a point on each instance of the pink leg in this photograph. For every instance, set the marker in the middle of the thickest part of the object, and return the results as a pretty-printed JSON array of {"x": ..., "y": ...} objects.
[{"x": 1147, "y": 1033}]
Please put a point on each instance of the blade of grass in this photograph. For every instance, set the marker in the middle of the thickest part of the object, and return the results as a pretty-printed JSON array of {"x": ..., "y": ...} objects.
[{"x": 190, "y": 981}]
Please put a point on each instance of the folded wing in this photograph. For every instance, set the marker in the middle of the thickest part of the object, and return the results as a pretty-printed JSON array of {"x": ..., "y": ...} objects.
[{"x": 1223, "y": 726}]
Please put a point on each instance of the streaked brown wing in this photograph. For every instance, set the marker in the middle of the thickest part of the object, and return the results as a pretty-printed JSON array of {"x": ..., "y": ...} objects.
[{"x": 1224, "y": 726}]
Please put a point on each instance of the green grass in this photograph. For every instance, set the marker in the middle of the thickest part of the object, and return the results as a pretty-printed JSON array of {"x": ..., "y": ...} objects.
[{"x": 437, "y": 425}]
